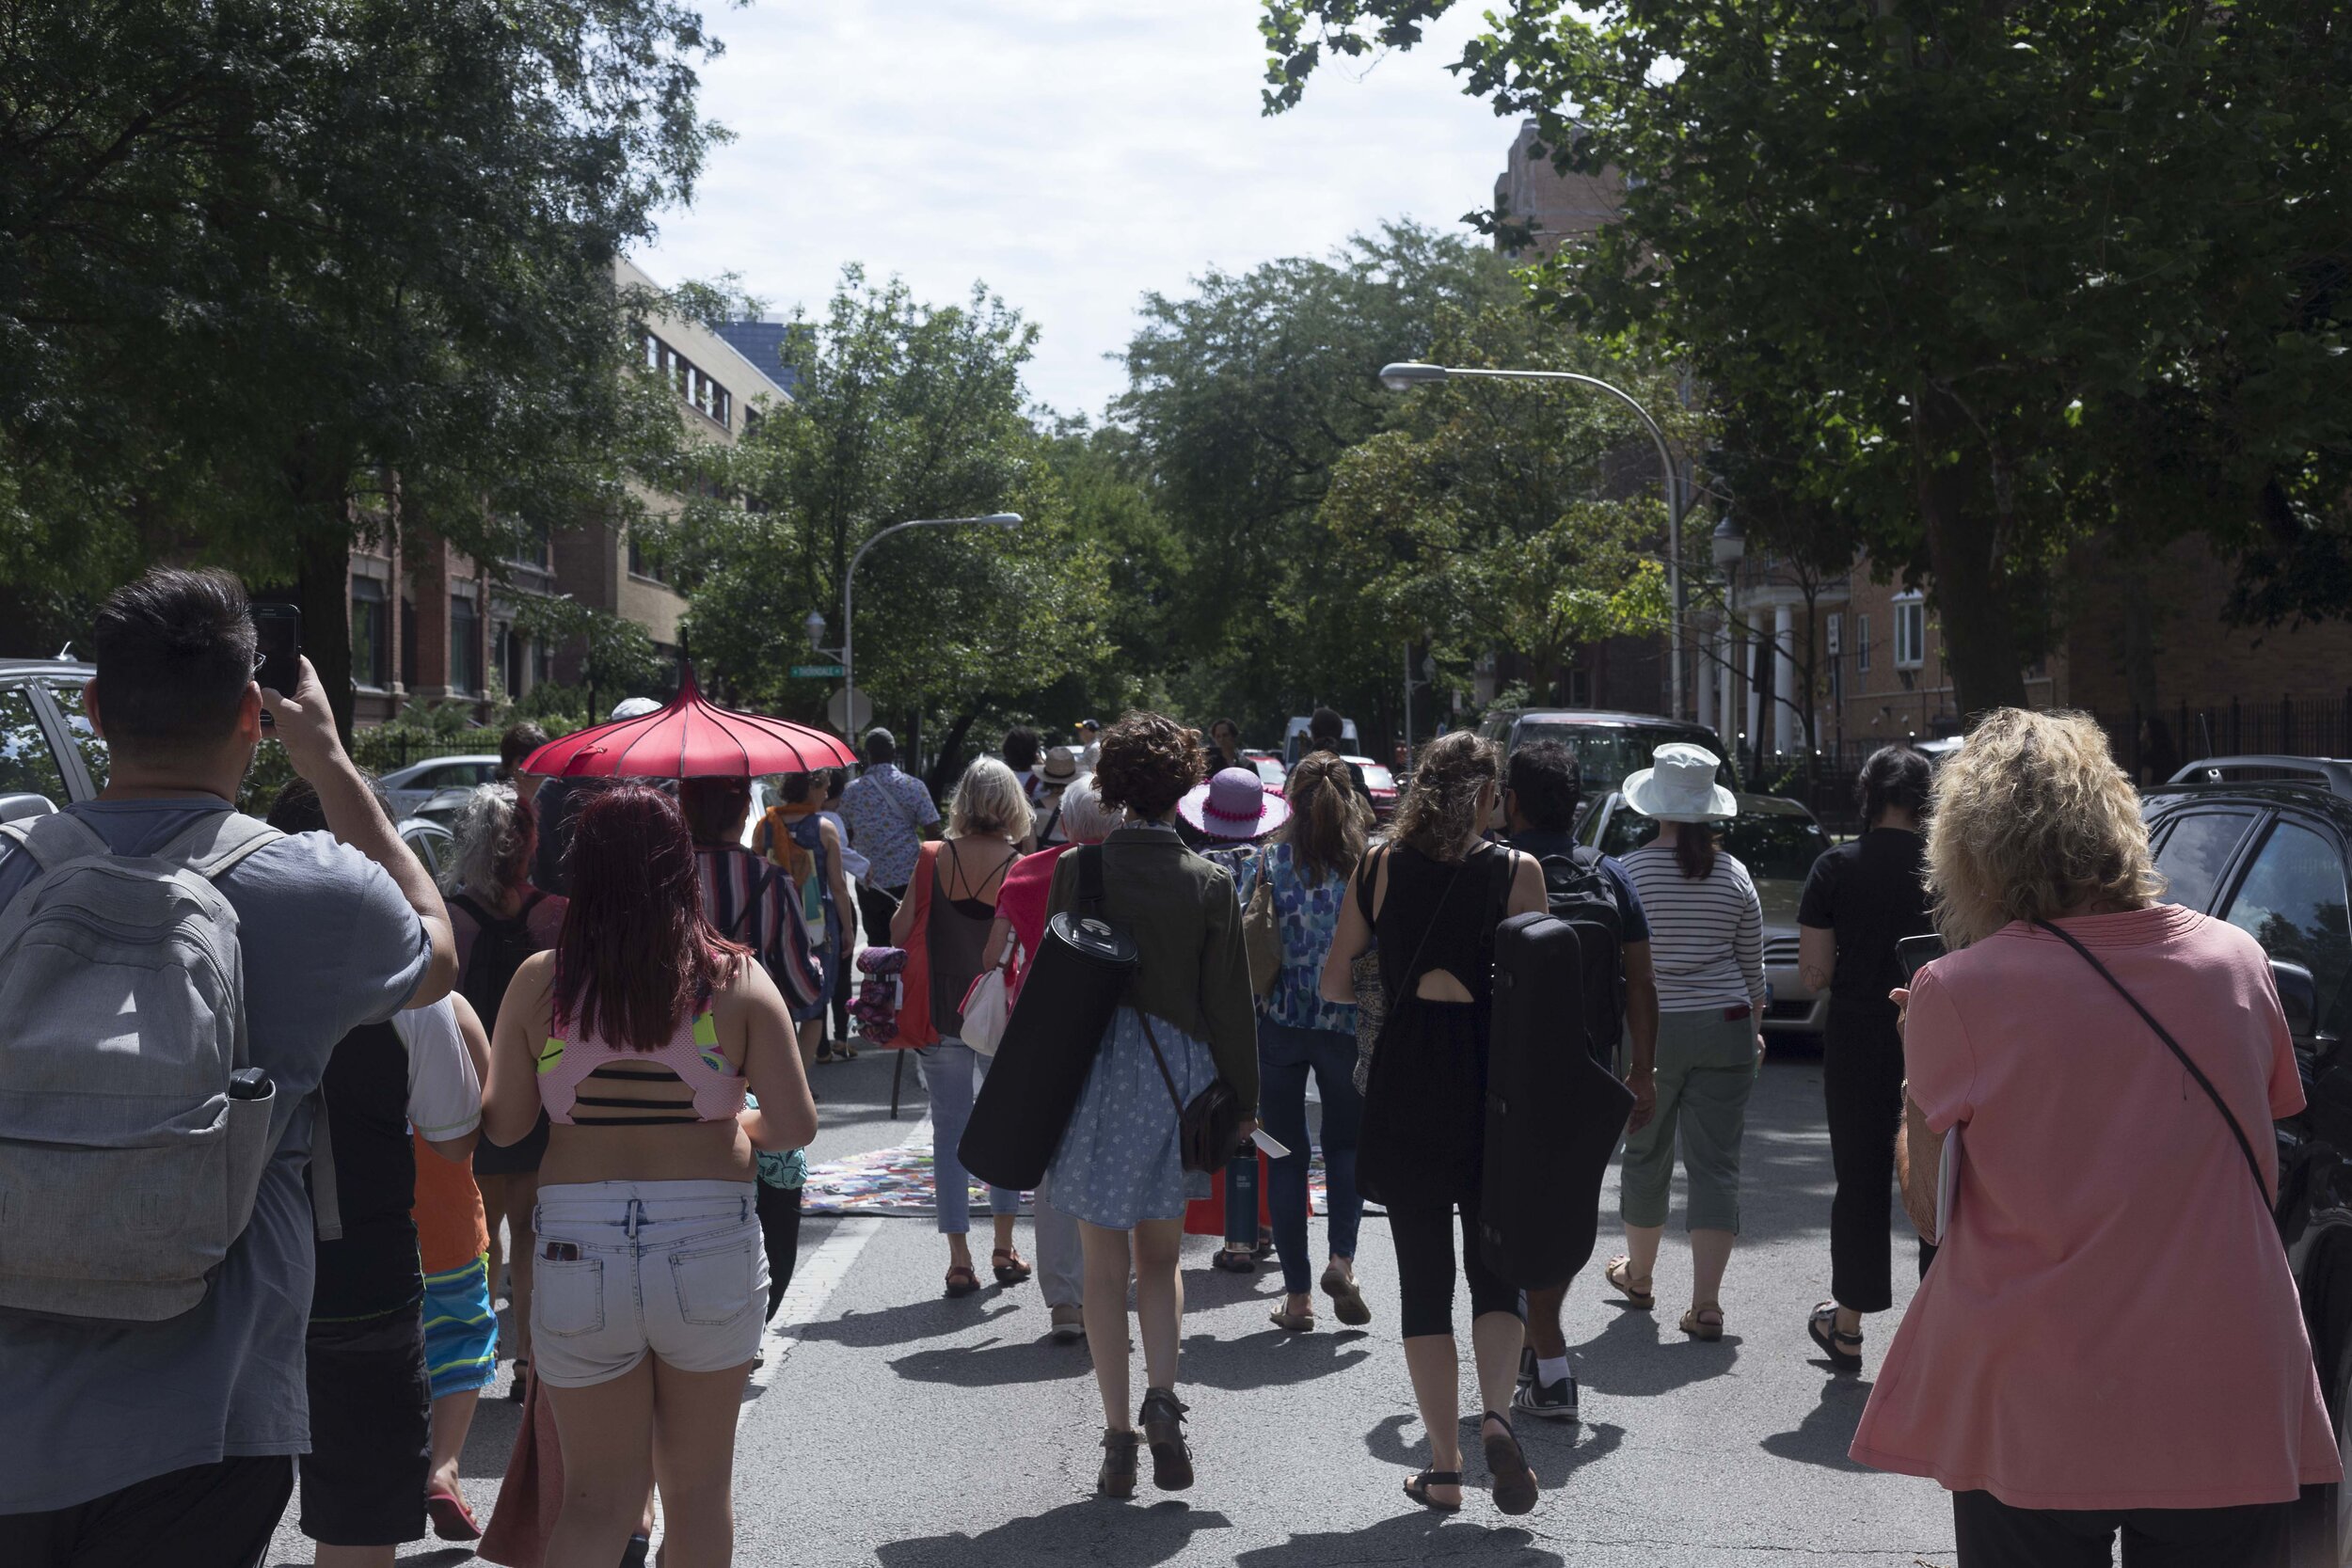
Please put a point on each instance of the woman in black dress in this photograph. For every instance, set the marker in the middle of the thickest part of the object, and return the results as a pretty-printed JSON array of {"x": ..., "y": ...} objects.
[
  {"x": 1862, "y": 898},
  {"x": 1432, "y": 899}
]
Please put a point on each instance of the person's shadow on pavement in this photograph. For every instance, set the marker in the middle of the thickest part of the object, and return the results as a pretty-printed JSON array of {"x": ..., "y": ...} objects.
[
  {"x": 1632, "y": 1357},
  {"x": 1417, "y": 1536},
  {"x": 1827, "y": 1430},
  {"x": 1093, "y": 1532}
]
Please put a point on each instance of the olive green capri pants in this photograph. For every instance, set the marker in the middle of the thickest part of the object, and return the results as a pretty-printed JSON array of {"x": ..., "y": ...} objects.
[{"x": 1706, "y": 1066}]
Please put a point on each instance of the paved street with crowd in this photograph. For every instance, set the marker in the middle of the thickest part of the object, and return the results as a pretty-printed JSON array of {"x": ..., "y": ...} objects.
[{"x": 892, "y": 1427}]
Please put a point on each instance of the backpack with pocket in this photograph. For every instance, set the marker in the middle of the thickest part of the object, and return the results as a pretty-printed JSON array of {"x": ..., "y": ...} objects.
[
  {"x": 500, "y": 947},
  {"x": 129, "y": 1162},
  {"x": 1580, "y": 894}
]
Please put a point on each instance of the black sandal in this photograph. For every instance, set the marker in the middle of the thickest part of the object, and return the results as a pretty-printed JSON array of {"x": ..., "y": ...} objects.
[
  {"x": 1235, "y": 1259},
  {"x": 1417, "y": 1487},
  {"x": 1844, "y": 1349},
  {"x": 1514, "y": 1484}
]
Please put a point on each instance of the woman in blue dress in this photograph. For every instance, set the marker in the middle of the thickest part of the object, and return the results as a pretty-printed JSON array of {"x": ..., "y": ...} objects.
[{"x": 1119, "y": 1168}]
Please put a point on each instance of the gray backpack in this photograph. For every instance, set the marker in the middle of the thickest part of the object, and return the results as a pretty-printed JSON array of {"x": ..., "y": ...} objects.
[{"x": 127, "y": 1166}]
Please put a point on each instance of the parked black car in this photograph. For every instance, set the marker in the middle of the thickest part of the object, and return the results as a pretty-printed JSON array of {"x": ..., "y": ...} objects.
[{"x": 2266, "y": 842}]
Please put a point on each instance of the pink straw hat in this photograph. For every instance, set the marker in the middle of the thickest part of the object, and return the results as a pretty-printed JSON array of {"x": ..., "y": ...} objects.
[{"x": 1234, "y": 805}]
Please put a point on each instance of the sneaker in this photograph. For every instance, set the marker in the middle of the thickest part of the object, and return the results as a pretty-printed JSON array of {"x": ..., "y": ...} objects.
[
  {"x": 1070, "y": 1325},
  {"x": 1554, "y": 1401}
]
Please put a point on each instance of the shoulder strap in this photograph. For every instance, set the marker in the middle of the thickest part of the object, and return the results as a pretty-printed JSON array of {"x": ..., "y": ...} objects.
[
  {"x": 57, "y": 838},
  {"x": 1166, "y": 1077},
  {"x": 217, "y": 841},
  {"x": 1396, "y": 991},
  {"x": 2245, "y": 1146},
  {"x": 1090, "y": 876}
]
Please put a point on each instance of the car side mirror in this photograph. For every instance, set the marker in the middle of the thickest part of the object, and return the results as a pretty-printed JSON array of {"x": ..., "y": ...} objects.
[
  {"x": 2298, "y": 995},
  {"x": 17, "y": 808}
]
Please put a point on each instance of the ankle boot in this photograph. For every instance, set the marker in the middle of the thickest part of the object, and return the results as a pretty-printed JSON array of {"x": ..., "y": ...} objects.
[
  {"x": 1164, "y": 1429},
  {"x": 1116, "y": 1477}
]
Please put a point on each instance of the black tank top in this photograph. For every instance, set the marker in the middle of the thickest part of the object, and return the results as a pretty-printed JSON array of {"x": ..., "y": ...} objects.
[{"x": 1455, "y": 905}]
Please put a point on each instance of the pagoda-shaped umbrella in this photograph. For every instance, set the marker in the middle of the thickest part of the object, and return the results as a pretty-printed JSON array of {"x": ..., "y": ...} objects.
[{"x": 689, "y": 738}]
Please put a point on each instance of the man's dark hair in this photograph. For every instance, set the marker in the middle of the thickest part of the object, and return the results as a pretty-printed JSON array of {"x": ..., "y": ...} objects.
[
  {"x": 1021, "y": 748},
  {"x": 175, "y": 652},
  {"x": 714, "y": 807},
  {"x": 880, "y": 746},
  {"x": 1326, "y": 726},
  {"x": 1547, "y": 781},
  {"x": 521, "y": 738}
]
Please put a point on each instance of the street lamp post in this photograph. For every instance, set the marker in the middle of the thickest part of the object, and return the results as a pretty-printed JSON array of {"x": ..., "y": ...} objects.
[
  {"x": 849, "y": 585},
  {"x": 1406, "y": 374}
]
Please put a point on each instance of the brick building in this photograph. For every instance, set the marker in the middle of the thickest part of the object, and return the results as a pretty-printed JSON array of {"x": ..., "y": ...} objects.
[{"x": 429, "y": 622}]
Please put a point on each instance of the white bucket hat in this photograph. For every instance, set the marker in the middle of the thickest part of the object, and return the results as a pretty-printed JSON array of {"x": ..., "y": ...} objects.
[{"x": 1679, "y": 787}]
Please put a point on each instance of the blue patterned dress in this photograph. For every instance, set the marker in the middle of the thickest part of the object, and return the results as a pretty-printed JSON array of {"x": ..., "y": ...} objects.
[{"x": 1121, "y": 1159}]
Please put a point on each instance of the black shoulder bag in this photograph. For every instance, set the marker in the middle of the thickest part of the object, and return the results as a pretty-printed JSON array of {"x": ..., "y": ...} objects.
[
  {"x": 1208, "y": 1130},
  {"x": 2245, "y": 1145}
]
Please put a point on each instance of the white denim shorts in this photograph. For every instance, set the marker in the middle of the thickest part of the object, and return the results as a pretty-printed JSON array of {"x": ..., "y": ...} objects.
[{"x": 624, "y": 1268}]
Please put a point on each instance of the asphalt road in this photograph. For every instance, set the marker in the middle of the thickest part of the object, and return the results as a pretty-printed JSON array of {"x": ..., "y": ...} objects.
[{"x": 893, "y": 1428}]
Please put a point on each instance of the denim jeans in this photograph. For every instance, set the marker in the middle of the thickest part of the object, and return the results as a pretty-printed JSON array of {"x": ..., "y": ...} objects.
[
  {"x": 1286, "y": 1054},
  {"x": 952, "y": 1071}
]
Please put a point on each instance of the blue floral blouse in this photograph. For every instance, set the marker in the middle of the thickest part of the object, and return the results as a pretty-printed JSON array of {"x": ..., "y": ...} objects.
[{"x": 1309, "y": 915}]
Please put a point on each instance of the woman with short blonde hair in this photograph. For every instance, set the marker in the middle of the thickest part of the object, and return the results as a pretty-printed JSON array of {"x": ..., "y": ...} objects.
[
  {"x": 989, "y": 802},
  {"x": 2109, "y": 1337}
]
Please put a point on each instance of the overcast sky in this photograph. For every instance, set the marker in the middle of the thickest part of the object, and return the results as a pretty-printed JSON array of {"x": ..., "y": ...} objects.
[{"x": 1073, "y": 153}]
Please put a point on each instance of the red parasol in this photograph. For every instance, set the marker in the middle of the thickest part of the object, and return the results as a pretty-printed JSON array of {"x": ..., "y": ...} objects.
[{"x": 689, "y": 738}]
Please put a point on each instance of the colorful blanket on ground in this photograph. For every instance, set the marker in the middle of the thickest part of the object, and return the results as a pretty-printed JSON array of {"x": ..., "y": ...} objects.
[{"x": 897, "y": 1181}]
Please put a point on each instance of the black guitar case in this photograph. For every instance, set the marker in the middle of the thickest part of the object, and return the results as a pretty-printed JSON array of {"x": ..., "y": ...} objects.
[
  {"x": 1067, "y": 1001},
  {"x": 1554, "y": 1114}
]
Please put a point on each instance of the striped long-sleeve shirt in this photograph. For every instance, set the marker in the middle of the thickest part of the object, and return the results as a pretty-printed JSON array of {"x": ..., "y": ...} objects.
[{"x": 1706, "y": 938}]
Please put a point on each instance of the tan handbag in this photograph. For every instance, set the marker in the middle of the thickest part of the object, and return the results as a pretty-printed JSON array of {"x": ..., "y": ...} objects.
[{"x": 1262, "y": 935}]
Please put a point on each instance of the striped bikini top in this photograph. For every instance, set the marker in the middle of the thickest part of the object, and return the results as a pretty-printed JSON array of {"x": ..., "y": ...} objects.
[{"x": 584, "y": 1081}]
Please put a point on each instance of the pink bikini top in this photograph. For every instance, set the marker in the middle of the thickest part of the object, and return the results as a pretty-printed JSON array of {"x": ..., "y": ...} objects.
[{"x": 584, "y": 1081}]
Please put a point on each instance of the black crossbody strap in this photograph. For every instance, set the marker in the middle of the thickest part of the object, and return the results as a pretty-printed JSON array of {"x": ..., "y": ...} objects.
[
  {"x": 1166, "y": 1077},
  {"x": 2253, "y": 1166},
  {"x": 1427, "y": 932}
]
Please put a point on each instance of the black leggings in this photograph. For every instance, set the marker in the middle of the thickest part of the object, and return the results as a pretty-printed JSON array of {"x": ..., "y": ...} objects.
[
  {"x": 1862, "y": 1091},
  {"x": 1425, "y": 1270},
  {"x": 779, "y": 1211},
  {"x": 1994, "y": 1535}
]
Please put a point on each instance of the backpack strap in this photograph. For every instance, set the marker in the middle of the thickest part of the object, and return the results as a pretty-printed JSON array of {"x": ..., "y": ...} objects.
[
  {"x": 1090, "y": 876},
  {"x": 56, "y": 839},
  {"x": 217, "y": 841}
]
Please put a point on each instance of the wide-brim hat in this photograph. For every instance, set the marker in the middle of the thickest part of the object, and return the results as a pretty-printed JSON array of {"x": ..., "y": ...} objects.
[
  {"x": 1679, "y": 787},
  {"x": 1234, "y": 805},
  {"x": 1060, "y": 767}
]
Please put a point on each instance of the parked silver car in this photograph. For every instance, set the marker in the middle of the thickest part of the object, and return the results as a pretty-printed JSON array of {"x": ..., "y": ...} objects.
[
  {"x": 1777, "y": 841},
  {"x": 413, "y": 787}
]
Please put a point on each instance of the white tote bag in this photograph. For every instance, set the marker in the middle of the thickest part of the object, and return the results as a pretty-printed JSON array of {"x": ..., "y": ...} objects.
[{"x": 987, "y": 1005}]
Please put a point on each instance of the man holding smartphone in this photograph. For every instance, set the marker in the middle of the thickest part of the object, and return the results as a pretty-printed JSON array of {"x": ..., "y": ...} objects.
[{"x": 173, "y": 1441}]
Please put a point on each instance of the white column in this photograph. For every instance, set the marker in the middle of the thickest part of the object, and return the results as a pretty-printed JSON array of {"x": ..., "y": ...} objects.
[{"x": 1786, "y": 729}]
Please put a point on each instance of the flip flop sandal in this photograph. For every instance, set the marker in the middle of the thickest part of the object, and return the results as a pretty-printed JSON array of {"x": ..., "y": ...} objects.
[
  {"x": 451, "y": 1519},
  {"x": 1417, "y": 1487},
  {"x": 1293, "y": 1323},
  {"x": 961, "y": 1282},
  {"x": 1007, "y": 1267},
  {"x": 1348, "y": 1300},
  {"x": 1698, "y": 1327},
  {"x": 844, "y": 1052},
  {"x": 1843, "y": 1350},
  {"x": 1620, "y": 1276},
  {"x": 1514, "y": 1483}
]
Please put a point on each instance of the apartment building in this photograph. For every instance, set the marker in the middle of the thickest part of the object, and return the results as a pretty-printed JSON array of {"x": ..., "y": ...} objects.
[{"x": 429, "y": 622}]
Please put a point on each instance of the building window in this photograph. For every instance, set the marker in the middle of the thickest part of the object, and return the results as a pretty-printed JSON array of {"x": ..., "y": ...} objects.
[
  {"x": 1911, "y": 631},
  {"x": 1861, "y": 642},
  {"x": 371, "y": 634},
  {"x": 513, "y": 661},
  {"x": 407, "y": 642},
  {"x": 535, "y": 550},
  {"x": 465, "y": 645}
]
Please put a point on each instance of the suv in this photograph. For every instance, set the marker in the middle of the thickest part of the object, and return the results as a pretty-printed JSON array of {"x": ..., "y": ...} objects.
[
  {"x": 2265, "y": 844},
  {"x": 1777, "y": 841},
  {"x": 1608, "y": 746}
]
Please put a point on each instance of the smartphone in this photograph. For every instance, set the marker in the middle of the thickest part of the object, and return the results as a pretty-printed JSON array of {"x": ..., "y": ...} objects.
[
  {"x": 278, "y": 628},
  {"x": 1915, "y": 953}
]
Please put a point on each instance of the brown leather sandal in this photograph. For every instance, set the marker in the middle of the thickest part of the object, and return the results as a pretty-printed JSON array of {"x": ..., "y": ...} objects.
[
  {"x": 1620, "y": 1276},
  {"x": 961, "y": 1281},
  {"x": 1007, "y": 1266},
  {"x": 1698, "y": 1327}
]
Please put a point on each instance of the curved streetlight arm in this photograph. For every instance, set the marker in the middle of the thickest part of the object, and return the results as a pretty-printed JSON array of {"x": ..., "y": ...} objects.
[
  {"x": 1402, "y": 377},
  {"x": 848, "y": 586}
]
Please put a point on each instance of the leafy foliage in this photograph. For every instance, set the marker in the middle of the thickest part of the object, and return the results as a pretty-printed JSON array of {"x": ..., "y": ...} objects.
[{"x": 1991, "y": 279}]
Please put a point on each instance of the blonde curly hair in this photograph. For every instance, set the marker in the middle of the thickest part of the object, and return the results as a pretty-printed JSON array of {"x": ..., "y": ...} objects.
[
  {"x": 1438, "y": 816},
  {"x": 2033, "y": 818}
]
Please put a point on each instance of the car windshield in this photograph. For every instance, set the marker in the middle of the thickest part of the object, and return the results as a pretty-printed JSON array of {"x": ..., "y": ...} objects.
[
  {"x": 1377, "y": 777},
  {"x": 1608, "y": 752},
  {"x": 1775, "y": 847}
]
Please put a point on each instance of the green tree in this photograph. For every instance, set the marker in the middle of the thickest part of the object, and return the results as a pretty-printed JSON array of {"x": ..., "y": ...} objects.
[
  {"x": 2014, "y": 274},
  {"x": 1243, "y": 397},
  {"x": 276, "y": 274},
  {"x": 900, "y": 410}
]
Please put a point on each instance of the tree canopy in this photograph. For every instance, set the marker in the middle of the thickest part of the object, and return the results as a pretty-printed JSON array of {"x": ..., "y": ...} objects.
[
  {"x": 1993, "y": 278},
  {"x": 275, "y": 273}
]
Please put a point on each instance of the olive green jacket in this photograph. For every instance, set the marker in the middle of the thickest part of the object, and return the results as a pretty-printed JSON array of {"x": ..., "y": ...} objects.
[{"x": 1182, "y": 911}]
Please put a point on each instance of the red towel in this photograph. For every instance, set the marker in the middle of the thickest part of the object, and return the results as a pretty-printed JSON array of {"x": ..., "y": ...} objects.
[{"x": 531, "y": 1493}]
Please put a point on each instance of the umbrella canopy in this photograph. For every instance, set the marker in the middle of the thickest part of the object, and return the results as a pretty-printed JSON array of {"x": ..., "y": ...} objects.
[{"x": 689, "y": 738}]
